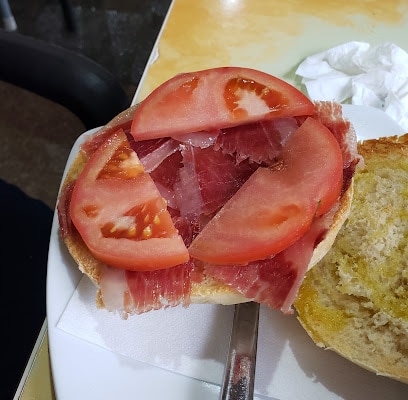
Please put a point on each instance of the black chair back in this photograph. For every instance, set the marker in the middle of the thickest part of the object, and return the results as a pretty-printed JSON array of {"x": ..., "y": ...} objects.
[{"x": 78, "y": 83}]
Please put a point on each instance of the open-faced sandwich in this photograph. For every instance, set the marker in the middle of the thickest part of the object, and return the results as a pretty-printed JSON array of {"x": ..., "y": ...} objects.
[{"x": 224, "y": 185}]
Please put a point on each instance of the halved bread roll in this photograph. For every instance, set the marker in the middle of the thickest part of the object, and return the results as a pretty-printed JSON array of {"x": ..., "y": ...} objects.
[
  {"x": 355, "y": 300},
  {"x": 207, "y": 290}
]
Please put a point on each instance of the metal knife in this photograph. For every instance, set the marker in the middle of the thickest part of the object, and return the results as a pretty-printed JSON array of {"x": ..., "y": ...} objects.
[{"x": 239, "y": 374}]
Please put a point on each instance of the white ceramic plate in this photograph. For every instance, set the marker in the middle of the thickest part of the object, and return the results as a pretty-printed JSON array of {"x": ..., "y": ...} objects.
[
  {"x": 82, "y": 370},
  {"x": 371, "y": 123}
]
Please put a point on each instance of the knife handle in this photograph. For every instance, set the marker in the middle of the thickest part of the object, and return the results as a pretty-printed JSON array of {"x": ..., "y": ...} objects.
[{"x": 239, "y": 374}]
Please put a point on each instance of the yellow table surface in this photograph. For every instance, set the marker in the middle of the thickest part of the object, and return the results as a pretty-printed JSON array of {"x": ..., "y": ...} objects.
[{"x": 270, "y": 35}]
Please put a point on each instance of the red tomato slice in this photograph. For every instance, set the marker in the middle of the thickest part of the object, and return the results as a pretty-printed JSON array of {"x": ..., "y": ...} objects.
[
  {"x": 120, "y": 214},
  {"x": 214, "y": 99},
  {"x": 274, "y": 208}
]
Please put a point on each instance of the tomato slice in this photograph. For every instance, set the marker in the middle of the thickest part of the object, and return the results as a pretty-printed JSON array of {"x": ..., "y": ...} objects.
[
  {"x": 216, "y": 98},
  {"x": 275, "y": 207},
  {"x": 121, "y": 215}
]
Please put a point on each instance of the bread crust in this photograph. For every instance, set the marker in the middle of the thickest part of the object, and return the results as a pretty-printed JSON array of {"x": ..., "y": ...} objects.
[{"x": 355, "y": 300}]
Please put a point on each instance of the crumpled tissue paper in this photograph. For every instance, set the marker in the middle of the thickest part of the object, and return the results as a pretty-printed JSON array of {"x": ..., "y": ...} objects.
[{"x": 362, "y": 74}]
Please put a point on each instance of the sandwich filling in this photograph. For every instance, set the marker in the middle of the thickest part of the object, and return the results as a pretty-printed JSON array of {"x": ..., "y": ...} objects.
[{"x": 244, "y": 205}]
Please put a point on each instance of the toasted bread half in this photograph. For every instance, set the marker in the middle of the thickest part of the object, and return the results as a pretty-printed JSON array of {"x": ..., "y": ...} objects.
[
  {"x": 209, "y": 290},
  {"x": 355, "y": 300}
]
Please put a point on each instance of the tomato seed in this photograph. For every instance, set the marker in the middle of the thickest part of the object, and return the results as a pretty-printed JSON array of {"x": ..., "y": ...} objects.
[{"x": 147, "y": 232}]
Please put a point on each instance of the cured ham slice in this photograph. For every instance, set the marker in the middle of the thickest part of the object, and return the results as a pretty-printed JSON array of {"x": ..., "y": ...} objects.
[
  {"x": 330, "y": 114},
  {"x": 166, "y": 175},
  {"x": 152, "y": 290},
  {"x": 208, "y": 179},
  {"x": 145, "y": 148},
  {"x": 199, "y": 139},
  {"x": 129, "y": 292},
  {"x": 275, "y": 281},
  {"x": 258, "y": 142},
  {"x": 64, "y": 218}
]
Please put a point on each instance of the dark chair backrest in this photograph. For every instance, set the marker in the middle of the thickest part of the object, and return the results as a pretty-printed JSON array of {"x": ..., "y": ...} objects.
[
  {"x": 76, "y": 82},
  {"x": 95, "y": 96}
]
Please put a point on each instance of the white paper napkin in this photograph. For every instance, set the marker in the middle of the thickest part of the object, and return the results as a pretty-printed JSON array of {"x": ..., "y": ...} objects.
[
  {"x": 194, "y": 342},
  {"x": 362, "y": 74}
]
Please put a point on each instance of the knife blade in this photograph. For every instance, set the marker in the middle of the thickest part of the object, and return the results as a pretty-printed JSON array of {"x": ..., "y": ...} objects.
[{"x": 239, "y": 373}]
